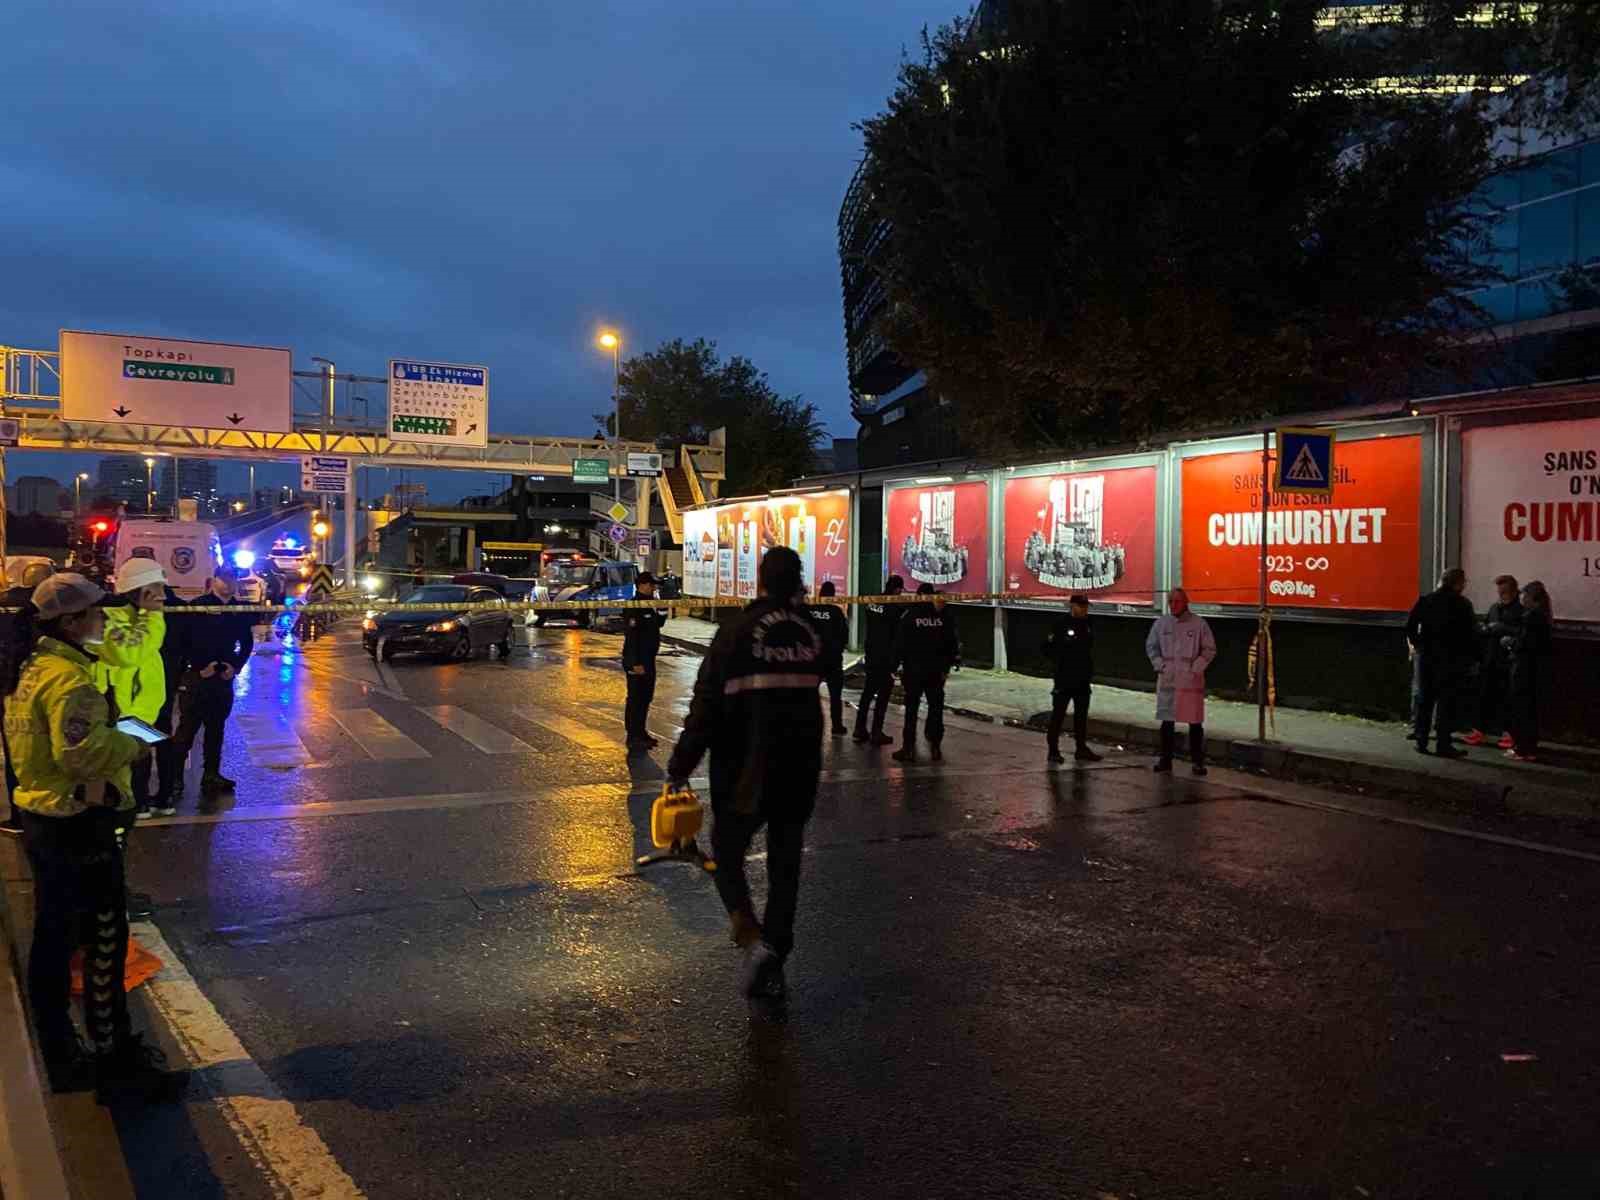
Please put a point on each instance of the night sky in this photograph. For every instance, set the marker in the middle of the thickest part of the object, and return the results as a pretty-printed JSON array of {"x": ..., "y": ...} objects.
[{"x": 469, "y": 182}]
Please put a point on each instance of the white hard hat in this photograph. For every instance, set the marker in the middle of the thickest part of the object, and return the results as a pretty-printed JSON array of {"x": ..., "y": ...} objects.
[{"x": 137, "y": 573}]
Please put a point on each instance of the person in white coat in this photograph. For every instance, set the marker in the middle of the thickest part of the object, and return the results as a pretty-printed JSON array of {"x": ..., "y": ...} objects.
[{"x": 1180, "y": 648}]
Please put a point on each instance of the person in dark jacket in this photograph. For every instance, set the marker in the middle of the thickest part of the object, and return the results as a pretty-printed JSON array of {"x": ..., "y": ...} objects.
[
  {"x": 1528, "y": 647},
  {"x": 215, "y": 650},
  {"x": 1070, "y": 647},
  {"x": 641, "y": 642},
  {"x": 830, "y": 621},
  {"x": 17, "y": 596},
  {"x": 1502, "y": 621},
  {"x": 926, "y": 649},
  {"x": 756, "y": 710},
  {"x": 1444, "y": 634},
  {"x": 883, "y": 620}
]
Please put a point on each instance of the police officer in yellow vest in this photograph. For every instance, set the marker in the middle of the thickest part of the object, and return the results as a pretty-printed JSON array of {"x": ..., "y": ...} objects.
[
  {"x": 131, "y": 666},
  {"x": 74, "y": 791}
]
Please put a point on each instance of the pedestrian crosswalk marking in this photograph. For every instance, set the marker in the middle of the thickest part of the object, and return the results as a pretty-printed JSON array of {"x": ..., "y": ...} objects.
[
  {"x": 376, "y": 736},
  {"x": 270, "y": 740},
  {"x": 470, "y": 727},
  {"x": 574, "y": 731}
]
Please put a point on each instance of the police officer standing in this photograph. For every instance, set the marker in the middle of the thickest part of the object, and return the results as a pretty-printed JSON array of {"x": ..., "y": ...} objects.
[
  {"x": 641, "y": 642},
  {"x": 1071, "y": 650},
  {"x": 883, "y": 621},
  {"x": 831, "y": 623},
  {"x": 927, "y": 649},
  {"x": 756, "y": 710},
  {"x": 1442, "y": 630},
  {"x": 215, "y": 649}
]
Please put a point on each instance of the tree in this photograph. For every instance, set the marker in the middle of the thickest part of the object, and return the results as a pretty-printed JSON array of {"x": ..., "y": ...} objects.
[
  {"x": 683, "y": 391},
  {"x": 1124, "y": 217}
]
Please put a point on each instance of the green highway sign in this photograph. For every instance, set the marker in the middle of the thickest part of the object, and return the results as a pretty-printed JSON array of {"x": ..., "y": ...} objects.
[
  {"x": 432, "y": 426},
  {"x": 591, "y": 470}
]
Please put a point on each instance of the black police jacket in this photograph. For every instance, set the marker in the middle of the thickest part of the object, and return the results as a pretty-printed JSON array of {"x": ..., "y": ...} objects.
[
  {"x": 830, "y": 621},
  {"x": 208, "y": 639},
  {"x": 1070, "y": 648},
  {"x": 926, "y": 643},
  {"x": 641, "y": 638},
  {"x": 1441, "y": 626},
  {"x": 1501, "y": 621},
  {"x": 756, "y": 711},
  {"x": 883, "y": 621}
]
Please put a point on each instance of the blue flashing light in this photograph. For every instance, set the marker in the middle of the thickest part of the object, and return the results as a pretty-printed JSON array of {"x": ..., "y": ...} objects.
[
  {"x": 244, "y": 559},
  {"x": 289, "y": 543}
]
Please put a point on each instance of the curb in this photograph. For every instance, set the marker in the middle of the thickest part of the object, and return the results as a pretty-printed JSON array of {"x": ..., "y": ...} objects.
[{"x": 1302, "y": 766}]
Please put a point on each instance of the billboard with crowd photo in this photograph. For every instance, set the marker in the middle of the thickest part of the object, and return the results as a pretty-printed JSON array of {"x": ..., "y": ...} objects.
[
  {"x": 939, "y": 534},
  {"x": 1361, "y": 549},
  {"x": 723, "y": 545},
  {"x": 1082, "y": 531}
]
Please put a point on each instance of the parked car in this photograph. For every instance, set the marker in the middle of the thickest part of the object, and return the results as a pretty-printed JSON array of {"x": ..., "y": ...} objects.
[
  {"x": 451, "y": 630},
  {"x": 609, "y": 580}
]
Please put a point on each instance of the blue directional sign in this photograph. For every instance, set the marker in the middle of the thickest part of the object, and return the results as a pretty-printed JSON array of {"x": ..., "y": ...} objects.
[{"x": 1305, "y": 462}]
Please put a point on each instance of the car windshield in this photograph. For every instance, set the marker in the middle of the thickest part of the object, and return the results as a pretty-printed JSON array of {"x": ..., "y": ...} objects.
[
  {"x": 289, "y": 551},
  {"x": 437, "y": 593},
  {"x": 566, "y": 574}
]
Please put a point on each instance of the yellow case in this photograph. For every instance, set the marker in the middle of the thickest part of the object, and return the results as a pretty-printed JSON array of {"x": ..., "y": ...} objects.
[{"x": 674, "y": 817}]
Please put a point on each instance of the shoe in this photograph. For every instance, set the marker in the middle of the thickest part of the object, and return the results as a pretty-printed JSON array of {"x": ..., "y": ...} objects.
[
  {"x": 881, "y": 738},
  {"x": 140, "y": 906},
  {"x": 216, "y": 781},
  {"x": 905, "y": 755},
  {"x": 143, "y": 813},
  {"x": 165, "y": 806},
  {"x": 1163, "y": 767},
  {"x": 1449, "y": 752},
  {"x": 136, "y": 1071},
  {"x": 860, "y": 736},
  {"x": 839, "y": 731},
  {"x": 1055, "y": 758},
  {"x": 1084, "y": 754},
  {"x": 1198, "y": 769},
  {"x": 1474, "y": 737},
  {"x": 1506, "y": 741},
  {"x": 935, "y": 753},
  {"x": 763, "y": 973}
]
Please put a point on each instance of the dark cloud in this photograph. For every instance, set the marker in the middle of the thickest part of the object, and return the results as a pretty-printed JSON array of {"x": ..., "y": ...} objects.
[{"x": 480, "y": 182}]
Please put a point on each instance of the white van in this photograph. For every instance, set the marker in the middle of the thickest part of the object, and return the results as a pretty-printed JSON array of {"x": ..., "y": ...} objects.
[{"x": 187, "y": 550}]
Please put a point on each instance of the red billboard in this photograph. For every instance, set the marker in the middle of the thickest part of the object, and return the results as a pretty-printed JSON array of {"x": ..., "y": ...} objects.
[
  {"x": 1082, "y": 531},
  {"x": 1359, "y": 549},
  {"x": 939, "y": 534}
]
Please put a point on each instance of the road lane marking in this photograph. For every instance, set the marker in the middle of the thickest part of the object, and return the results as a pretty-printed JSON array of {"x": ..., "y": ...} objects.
[
  {"x": 376, "y": 736},
  {"x": 566, "y": 727},
  {"x": 295, "y": 1159},
  {"x": 607, "y": 790},
  {"x": 270, "y": 740},
  {"x": 658, "y": 723},
  {"x": 470, "y": 727}
]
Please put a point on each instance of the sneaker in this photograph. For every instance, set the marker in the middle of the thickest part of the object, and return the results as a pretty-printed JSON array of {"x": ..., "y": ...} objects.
[
  {"x": 1505, "y": 742},
  {"x": 1084, "y": 754},
  {"x": 1474, "y": 737},
  {"x": 1055, "y": 758},
  {"x": 165, "y": 806},
  {"x": 880, "y": 738},
  {"x": 143, "y": 813},
  {"x": 1163, "y": 767},
  {"x": 1198, "y": 769},
  {"x": 763, "y": 973},
  {"x": 137, "y": 1071},
  {"x": 905, "y": 755}
]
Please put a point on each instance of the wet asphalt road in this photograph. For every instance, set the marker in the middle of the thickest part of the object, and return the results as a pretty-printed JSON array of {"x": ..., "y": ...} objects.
[{"x": 426, "y": 931}]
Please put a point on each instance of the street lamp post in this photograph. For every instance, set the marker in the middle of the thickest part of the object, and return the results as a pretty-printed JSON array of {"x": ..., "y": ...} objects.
[
  {"x": 77, "y": 493},
  {"x": 149, "y": 486},
  {"x": 610, "y": 340}
]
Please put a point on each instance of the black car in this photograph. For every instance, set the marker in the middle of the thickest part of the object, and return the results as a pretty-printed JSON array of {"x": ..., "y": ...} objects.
[{"x": 450, "y": 631}]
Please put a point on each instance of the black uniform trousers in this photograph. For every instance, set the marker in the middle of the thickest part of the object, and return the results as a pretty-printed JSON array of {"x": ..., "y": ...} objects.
[
  {"x": 164, "y": 764},
  {"x": 79, "y": 900},
  {"x": 919, "y": 688},
  {"x": 1077, "y": 695},
  {"x": 1437, "y": 682},
  {"x": 207, "y": 705},
  {"x": 833, "y": 676},
  {"x": 730, "y": 842},
  {"x": 875, "y": 692},
  {"x": 636, "y": 713},
  {"x": 1494, "y": 698}
]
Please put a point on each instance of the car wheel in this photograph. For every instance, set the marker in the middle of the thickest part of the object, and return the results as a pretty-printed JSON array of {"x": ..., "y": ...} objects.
[{"x": 462, "y": 650}]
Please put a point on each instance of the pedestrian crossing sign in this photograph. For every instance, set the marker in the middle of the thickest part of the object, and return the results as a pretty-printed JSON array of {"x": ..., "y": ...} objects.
[{"x": 1305, "y": 462}]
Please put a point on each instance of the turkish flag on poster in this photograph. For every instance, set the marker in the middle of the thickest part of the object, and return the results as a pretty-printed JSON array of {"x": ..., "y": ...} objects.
[
  {"x": 1084, "y": 531},
  {"x": 1361, "y": 549},
  {"x": 939, "y": 534}
]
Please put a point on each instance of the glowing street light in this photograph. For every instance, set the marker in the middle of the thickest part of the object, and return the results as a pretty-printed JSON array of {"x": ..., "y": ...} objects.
[
  {"x": 77, "y": 492},
  {"x": 149, "y": 485},
  {"x": 611, "y": 340}
]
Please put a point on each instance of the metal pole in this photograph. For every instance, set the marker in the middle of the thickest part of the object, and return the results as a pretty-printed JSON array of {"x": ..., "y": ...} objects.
[
  {"x": 251, "y": 507},
  {"x": 616, "y": 415},
  {"x": 350, "y": 526},
  {"x": 1261, "y": 639}
]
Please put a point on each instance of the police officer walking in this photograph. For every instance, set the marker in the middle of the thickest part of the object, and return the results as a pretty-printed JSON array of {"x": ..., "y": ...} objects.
[
  {"x": 641, "y": 642},
  {"x": 927, "y": 649},
  {"x": 756, "y": 710},
  {"x": 883, "y": 621},
  {"x": 1071, "y": 650},
  {"x": 831, "y": 623}
]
